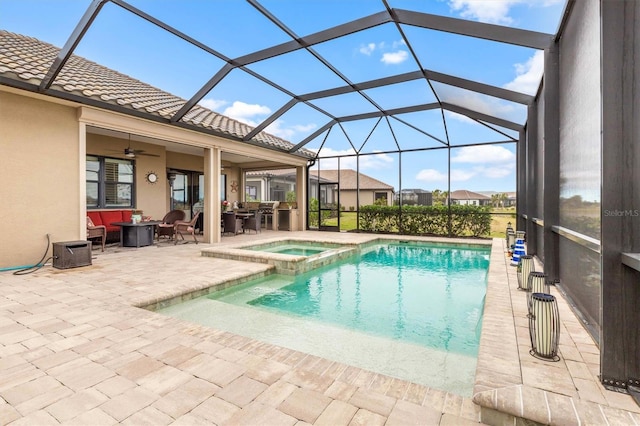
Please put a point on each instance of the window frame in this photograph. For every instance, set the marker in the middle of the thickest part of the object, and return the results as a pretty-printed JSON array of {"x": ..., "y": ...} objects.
[{"x": 102, "y": 183}]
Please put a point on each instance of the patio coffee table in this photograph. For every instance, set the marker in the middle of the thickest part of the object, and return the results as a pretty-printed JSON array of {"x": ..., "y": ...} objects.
[{"x": 137, "y": 234}]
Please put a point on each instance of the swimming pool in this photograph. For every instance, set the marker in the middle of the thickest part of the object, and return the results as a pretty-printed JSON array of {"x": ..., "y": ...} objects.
[{"x": 412, "y": 311}]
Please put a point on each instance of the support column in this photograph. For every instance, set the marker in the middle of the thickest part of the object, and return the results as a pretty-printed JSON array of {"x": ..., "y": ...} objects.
[
  {"x": 521, "y": 183},
  {"x": 301, "y": 197},
  {"x": 620, "y": 207},
  {"x": 531, "y": 185},
  {"x": 212, "y": 211},
  {"x": 551, "y": 209}
]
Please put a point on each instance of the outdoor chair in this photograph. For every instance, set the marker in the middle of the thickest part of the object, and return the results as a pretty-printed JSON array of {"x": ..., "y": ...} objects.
[
  {"x": 166, "y": 228},
  {"x": 96, "y": 231},
  {"x": 181, "y": 226},
  {"x": 232, "y": 223},
  {"x": 253, "y": 222}
]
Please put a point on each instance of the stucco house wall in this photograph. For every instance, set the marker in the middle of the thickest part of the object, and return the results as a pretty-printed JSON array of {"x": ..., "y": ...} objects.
[{"x": 39, "y": 163}]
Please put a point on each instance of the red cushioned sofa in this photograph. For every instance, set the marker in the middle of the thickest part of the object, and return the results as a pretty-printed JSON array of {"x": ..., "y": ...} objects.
[{"x": 107, "y": 217}]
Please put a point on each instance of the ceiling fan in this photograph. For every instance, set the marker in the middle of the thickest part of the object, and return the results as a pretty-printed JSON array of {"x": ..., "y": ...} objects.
[{"x": 132, "y": 153}]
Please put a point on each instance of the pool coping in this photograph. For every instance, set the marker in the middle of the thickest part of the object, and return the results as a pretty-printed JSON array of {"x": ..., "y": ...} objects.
[{"x": 511, "y": 384}]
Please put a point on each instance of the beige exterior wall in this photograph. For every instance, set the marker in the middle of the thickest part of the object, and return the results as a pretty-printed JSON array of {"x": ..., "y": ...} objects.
[
  {"x": 367, "y": 197},
  {"x": 150, "y": 198},
  {"x": 39, "y": 171}
]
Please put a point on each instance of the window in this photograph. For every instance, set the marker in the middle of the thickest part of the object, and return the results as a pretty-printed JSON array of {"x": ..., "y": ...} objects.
[
  {"x": 379, "y": 195},
  {"x": 110, "y": 182},
  {"x": 251, "y": 192}
]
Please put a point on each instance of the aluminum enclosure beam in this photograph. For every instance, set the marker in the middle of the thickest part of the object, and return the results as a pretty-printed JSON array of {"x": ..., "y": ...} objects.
[
  {"x": 72, "y": 42},
  {"x": 482, "y": 117},
  {"x": 525, "y": 38}
]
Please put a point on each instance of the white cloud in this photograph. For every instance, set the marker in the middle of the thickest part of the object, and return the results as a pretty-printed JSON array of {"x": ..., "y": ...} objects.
[
  {"x": 475, "y": 102},
  {"x": 213, "y": 104},
  {"x": 431, "y": 175},
  {"x": 367, "y": 162},
  {"x": 253, "y": 114},
  {"x": 395, "y": 57},
  {"x": 434, "y": 176},
  {"x": 368, "y": 49},
  {"x": 489, "y": 161},
  {"x": 496, "y": 172},
  {"x": 398, "y": 44},
  {"x": 459, "y": 175},
  {"x": 279, "y": 129},
  {"x": 493, "y": 11},
  {"x": 528, "y": 75},
  {"x": 490, "y": 11},
  {"x": 483, "y": 154},
  {"x": 246, "y": 113}
]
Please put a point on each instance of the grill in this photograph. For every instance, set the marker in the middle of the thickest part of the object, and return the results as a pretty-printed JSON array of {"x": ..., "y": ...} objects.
[
  {"x": 265, "y": 208},
  {"x": 267, "y": 213}
]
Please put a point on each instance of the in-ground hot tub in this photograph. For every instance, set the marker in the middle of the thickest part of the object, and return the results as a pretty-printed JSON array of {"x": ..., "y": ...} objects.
[{"x": 290, "y": 257}]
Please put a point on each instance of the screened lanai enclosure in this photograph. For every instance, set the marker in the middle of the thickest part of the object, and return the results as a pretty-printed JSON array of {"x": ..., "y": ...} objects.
[{"x": 394, "y": 105}]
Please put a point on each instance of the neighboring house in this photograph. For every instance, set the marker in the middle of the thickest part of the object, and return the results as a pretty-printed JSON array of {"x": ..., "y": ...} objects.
[
  {"x": 349, "y": 181},
  {"x": 464, "y": 197},
  {"x": 416, "y": 196},
  {"x": 92, "y": 138},
  {"x": 501, "y": 199}
]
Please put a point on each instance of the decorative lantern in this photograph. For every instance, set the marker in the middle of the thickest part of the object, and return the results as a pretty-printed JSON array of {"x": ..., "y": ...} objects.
[
  {"x": 520, "y": 235},
  {"x": 506, "y": 233},
  {"x": 544, "y": 327},
  {"x": 537, "y": 284},
  {"x": 511, "y": 240},
  {"x": 525, "y": 267}
]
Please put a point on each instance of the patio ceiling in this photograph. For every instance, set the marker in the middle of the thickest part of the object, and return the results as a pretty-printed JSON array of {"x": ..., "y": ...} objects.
[{"x": 425, "y": 97}]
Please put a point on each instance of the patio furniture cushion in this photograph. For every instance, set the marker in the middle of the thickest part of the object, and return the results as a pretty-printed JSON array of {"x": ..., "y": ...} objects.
[{"x": 107, "y": 217}]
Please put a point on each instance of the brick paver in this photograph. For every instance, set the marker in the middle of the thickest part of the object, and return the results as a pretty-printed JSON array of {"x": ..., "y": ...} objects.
[{"x": 74, "y": 349}]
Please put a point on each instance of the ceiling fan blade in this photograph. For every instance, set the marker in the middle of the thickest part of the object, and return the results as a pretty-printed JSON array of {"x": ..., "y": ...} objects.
[{"x": 148, "y": 155}]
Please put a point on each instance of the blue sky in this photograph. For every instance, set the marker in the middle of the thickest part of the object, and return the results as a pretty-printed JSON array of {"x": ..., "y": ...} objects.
[{"x": 124, "y": 42}]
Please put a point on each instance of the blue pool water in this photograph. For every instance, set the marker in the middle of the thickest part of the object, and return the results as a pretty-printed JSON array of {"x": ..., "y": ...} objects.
[
  {"x": 411, "y": 311},
  {"x": 296, "y": 248},
  {"x": 429, "y": 295}
]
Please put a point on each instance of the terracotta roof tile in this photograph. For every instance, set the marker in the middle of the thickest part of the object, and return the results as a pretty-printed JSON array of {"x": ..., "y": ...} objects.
[{"x": 28, "y": 59}]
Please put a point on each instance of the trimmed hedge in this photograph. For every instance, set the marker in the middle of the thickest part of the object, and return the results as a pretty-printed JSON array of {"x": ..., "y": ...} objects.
[{"x": 465, "y": 220}]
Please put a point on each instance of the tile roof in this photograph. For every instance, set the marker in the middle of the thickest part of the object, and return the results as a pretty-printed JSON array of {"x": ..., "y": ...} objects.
[
  {"x": 348, "y": 177},
  {"x": 26, "y": 60},
  {"x": 463, "y": 194}
]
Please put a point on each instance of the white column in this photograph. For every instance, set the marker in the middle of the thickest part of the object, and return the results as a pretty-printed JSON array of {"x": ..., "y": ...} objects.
[
  {"x": 212, "y": 213},
  {"x": 301, "y": 197}
]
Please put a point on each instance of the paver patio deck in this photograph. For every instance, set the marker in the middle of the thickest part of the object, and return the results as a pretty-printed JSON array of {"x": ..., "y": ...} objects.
[{"x": 75, "y": 349}]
